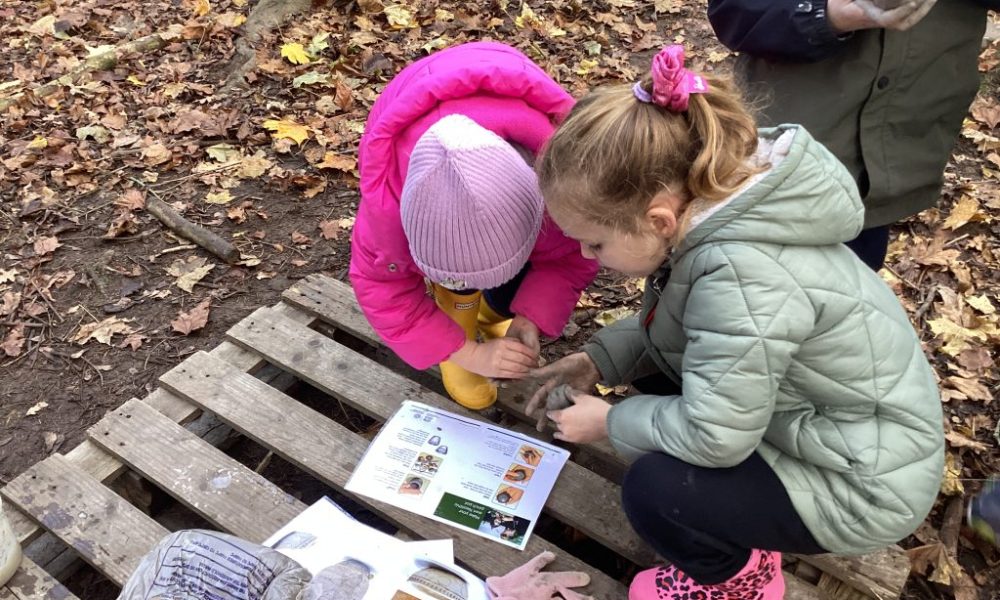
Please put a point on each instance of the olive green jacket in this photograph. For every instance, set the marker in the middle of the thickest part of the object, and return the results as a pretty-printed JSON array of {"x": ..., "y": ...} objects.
[
  {"x": 785, "y": 344},
  {"x": 889, "y": 104}
]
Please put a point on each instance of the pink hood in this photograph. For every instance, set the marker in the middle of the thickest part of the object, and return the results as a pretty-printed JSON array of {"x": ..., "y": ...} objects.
[{"x": 502, "y": 90}]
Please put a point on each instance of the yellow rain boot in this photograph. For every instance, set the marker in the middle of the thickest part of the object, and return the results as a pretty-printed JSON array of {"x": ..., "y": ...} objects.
[
  {"x": 472, "y": 391},
  {"x": 491, "y": 323}
]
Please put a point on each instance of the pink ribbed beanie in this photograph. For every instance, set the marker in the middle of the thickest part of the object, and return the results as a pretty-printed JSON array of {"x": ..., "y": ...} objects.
[{"x": 471, "y": 206}]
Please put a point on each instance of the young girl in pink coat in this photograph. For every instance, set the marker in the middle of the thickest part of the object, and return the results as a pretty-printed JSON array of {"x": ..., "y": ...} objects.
[{"x": 449, "y": 197}]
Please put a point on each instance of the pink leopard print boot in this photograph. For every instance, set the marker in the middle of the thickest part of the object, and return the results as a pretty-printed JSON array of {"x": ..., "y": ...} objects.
[{"x": 760, "y": 579}]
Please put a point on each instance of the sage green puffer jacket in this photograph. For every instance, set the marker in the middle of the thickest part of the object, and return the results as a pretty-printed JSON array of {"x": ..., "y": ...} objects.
[{"x": 784, "y": 343}]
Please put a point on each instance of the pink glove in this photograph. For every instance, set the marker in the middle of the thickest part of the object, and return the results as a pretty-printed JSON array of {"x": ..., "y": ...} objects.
[{"x": 527, "y": 582}]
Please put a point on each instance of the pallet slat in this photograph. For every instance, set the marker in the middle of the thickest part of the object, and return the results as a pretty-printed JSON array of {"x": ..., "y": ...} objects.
[
  {"x": 103, "y": 466},
  {"x": 200, "y": 476},
  {"x": 31, "y": 582},
  {"x": 108, "y": 532},
  {"x": 580, "y": 498},
  {"x": 881, "y": 574},
  {"x": 330, "y": 452}
]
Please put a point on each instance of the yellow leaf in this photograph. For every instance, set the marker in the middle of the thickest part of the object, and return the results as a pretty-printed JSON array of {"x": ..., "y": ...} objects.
[
  {"x": 955, "y": 337},
  {"x": 965, "y": 210},
  {"x": 612, "y": 315},
  {"x": 339, "y": 162},
  {"x": 201, "y": 7},
  {"x": 604, "y": 390},
  {"x": 951, "y": 485},
  {"x": 38, "y": 143},
  {"x": 135, "y": 81},
  {"x": 527, "y": 18},
  {"x": 285, "y": 129},
  {"x": 223, "y": 197},
  {"x": 981, "y": 303},
  {"x": 399, "y": 17},
  {"x": 718, "y": 56},
  {"x": 295, "y": 53},
  {"x": 586, "y": 65}
]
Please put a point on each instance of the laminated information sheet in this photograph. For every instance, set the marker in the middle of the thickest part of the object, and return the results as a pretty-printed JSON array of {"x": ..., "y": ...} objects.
[{"x": 467, "y": 473}]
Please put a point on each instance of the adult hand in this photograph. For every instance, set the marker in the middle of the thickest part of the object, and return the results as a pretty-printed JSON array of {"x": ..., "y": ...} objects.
[
  {"x": 576, "y": 370},
  {"x": 584, "y": 422},
  {"x": 502, "y": 358},
  {"x": 528, "y": 582},
  {"x": 852, "y": 15},
  {"x": 526, "y": 332}
]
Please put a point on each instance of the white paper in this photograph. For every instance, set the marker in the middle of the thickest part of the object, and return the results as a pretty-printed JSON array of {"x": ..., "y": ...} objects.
[
  {"x": 324, "y": 535},
  {"x": 467, "y": 473}
]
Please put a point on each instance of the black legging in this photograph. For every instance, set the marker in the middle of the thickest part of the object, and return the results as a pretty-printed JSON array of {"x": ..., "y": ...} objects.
[{"x": 706, "y": 521}]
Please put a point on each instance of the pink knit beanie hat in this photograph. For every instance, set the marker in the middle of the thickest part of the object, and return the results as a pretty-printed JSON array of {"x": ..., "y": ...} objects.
[{"x": 471, "y": 206}]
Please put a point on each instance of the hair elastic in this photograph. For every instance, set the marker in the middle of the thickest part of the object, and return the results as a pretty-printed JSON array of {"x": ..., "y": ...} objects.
[{"x": 673, "y": 84}]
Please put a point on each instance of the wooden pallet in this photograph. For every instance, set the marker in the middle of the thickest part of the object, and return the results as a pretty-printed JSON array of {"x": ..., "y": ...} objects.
[{"x": 68, "y": 495}]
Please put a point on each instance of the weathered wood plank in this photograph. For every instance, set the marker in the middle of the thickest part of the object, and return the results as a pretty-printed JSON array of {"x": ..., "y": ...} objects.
[
  {"x": 796, "y": 589},
  {"x": 200, "y": 476},
  {"x": 102, "y": 466},
  {"x": 330, "y": 452},
  {"x": 31, "y": 582},
  {"x": 580, "y": 497},
  {"x": 334, "y": 302},
  {"x": 881, "y": 574},
  {"x": 108, "y": 532}
]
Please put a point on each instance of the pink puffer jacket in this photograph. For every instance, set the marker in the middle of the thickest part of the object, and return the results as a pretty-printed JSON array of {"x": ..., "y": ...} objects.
[{"x": 502, "y": 90}]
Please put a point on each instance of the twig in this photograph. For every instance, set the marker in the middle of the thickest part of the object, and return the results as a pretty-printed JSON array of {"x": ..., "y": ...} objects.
[
  {"x": 196, "y": 233},
  {"x": 906, "y": 282}
]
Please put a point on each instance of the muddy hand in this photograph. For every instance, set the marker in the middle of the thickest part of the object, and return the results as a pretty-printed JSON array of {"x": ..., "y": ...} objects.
[{"x": 577, "y": 371}]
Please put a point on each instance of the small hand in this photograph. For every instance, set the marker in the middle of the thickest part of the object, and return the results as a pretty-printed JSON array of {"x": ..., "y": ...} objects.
[
  {"x": 525, "y": 331},
  {"x": 576, "y": 370},
  {"x": 584, "y": 422},
  {"x": 502, "y": 358},
  {"x": 899, "y": 15}
]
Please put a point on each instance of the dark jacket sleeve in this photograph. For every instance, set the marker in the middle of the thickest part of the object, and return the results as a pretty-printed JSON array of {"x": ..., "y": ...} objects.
[
  {"x": 990, "y": 4},
  {"x": 790, "y": 30}
]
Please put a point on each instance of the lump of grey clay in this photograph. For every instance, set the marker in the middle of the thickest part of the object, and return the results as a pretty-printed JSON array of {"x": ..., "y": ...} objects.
[{"x": 558, "y": 399}]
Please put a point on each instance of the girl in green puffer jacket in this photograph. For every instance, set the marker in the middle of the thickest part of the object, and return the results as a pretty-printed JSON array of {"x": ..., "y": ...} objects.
[{"x": 786, "y": 403}]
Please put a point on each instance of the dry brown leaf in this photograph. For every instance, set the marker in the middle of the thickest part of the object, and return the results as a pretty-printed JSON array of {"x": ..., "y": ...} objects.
[
  {"x": 958, "y": 440},
  {"x": 972, "y": 388},
  {"x": 36, "y": 408},
  {"x": 975, "y": 359},
  {"x": 301, "y": 239},
  {"x": 328, "y": 230},
  {"x": 189, "y": 271},
  {"x": 339, "y": 162},
  {"x": 13, "y": 343},
  {"x": 11, "y": 300},
  {"x": 194, "y": 319},
  {"x": 156, "y": 154},
  {"x": 133, "y": 341},
  {"x": 46, "y": 245},
  {"x": 124, "y": 224},
  {"x": 986, "y": 111},
  {"x": 132, "y": 199},
  {"x": 102, "y": 331}
]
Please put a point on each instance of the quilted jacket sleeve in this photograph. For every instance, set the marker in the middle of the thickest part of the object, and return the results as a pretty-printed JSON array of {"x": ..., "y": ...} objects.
[
  {"x": 744, "y": 321},
  {"x": 794, "y": 30},
  {"x": 619, "y": 352}
]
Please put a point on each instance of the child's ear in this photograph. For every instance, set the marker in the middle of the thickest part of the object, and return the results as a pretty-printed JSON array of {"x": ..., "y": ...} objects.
[{"x": 662, "y": 219}]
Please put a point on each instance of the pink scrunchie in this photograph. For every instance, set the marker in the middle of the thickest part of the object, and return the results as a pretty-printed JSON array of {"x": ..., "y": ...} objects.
[{"x": 672, "y": 83}]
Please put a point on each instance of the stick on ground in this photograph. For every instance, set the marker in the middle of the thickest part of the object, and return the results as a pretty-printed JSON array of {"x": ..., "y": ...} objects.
[{"x": 196, "y": 233}]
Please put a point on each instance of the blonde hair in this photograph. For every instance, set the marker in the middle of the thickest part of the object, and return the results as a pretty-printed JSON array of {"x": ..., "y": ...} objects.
[{"x": 614, "y": 153}]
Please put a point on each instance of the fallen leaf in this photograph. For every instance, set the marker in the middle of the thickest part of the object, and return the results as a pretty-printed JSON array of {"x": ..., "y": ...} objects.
[
  {"x": 201, "y": 7},
  {"x": 223, "y": 197},
  {"x": 340, "y": 162},
  {"x": 253, "y": 166},
  {"x": 613, "y": 315},
  {"x": 194, "y": 319},
  {"x": 965, "y": 210},
  {"x": 190, "y": 271},
  {"x": 224, "y": 153},
  {"x": 11, "y": 300},
  {"x": 301, "y": 239},
  {"x": 8, "y": 275},
  {"x": 132, "y": 199},
  {"x": 285, "y": 129},
  {"x": 399, "y": 17},
  {"x": 46, "y": 245},
  {"x": 295, "y": 53},
  {"x": 102, "y": 331},
  {"x": 981, "y": 303},
  {"x": 14, "y": 342},
  {"x": 951, "y": 485},
  {"x": 972, "y": 388},
  {"x": 37, "y": 408},
  {"x": 955, "y": 337},
  {"x": 125, "y": 223},
  {"x": 95, "y": 132},
  {"x": 957, "y": 440},
  {"x": 156, "y": 154},
  {"x": 311, "y": 78},
  {"x": 328, "y": 231}
]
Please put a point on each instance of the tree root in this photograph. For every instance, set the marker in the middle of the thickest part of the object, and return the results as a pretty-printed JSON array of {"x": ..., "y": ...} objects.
[{"x": 101, "y": 62}]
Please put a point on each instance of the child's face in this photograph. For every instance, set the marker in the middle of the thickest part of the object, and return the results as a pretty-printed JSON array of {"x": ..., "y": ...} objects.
[{"x": 635, "y": 254}]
